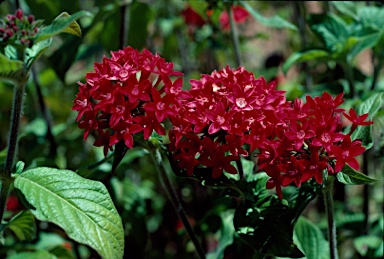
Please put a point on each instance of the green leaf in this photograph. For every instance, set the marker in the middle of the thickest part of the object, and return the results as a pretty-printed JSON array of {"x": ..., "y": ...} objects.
[
  {"x": 267, "y": 223},
  {"x": 10, "y": 69},
  {"x": 62, "y": 252},
  {"x": 19, "y": 167},
  {"x": 304, "y": 56},
  {"x": 275, "y": 21},
  {"x": 311, "y": 239},
  {"x": 23, "y": 225},
  {"x": 301, "y": 198},
  {"x": 352, "y": 177},
  {"x": 371, "y": 106},
  {"x": 226, "y": 236},
  {"x": 369, "y": 246},
  {"x": 331, "y": 29},
  {"x": 346, "y": 7},
  {"x": 63, "y": 23},
  {"x": 363, "y": 43},
  {"x": 32, "y": 54},
  {"x": 140, "y": 16},
  {"x": 33, "y": 255},
  {"x": 372, "y": 16},
  {"x": 82, "y": 207},
  {"x": 265, "y": 228}
]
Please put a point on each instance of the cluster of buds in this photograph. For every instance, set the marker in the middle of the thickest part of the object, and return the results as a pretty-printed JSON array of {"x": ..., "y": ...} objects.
[
  {"x": 223, "y": 116},
  {"x": 130, "y": 92},
  {"x": 18, "y": 28}
]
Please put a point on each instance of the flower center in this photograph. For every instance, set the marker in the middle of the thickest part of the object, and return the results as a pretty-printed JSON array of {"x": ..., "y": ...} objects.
[
  {"x": 326, "y": 137},
  {"x": 301, "y": 134},
  {"x": 123, "y": 73},
  {"x": 241, "y": 102},
  {"x": 82, "y": 103},
  {"x": 173, "y": 90},
  {"x": 160, "y": 106},
  {"x": 135, "y": 90},
  {"x": 220, "y": 119},
  {"x": 120, "y": 109}
]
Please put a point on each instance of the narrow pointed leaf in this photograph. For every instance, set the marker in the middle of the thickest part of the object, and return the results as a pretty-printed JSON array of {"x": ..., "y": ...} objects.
[
  {"x": 82, "y": 207},
  {"x": 63, "y": 23},
  {"x": 32, "y": 54},
  {"x": 302, "y": 56},
  {"x": 352, "y": 177},
  {"x": 23, "y": 225},
  {"x": 10, "y": 69},
  {"x": 275, "y": 21}
]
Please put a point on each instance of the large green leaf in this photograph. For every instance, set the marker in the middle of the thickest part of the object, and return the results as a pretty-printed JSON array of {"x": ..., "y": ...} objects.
[
  {"x": 10, "y": 69},
  {"x": 63, "y": 23},
  {"x": 371, "y": 106},
  {"x": 331, "y": 29},
  {"x": 311, "y": 240},
  {"x": 275, "y": 21},
  {"x": 23, "y": 225},
  {"x": 82, "y": 207},
  {"x": 351, "y": 177},
  {"x": 372, "y": 16},
  {"x": 302, "y": 56}
]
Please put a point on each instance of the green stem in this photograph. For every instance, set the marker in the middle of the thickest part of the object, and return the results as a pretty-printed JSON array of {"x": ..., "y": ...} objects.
[
  {"x": 328, "y": 202},
  {"x": 348, "y": 70},
  {"x": 234, "y": 35},
  {"x": 12, "y": 143},
  {"x": 172, "y": 195}
]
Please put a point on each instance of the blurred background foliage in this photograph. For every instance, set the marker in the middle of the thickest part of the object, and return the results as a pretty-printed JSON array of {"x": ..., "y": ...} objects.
[{"x": 197, "y": 42}]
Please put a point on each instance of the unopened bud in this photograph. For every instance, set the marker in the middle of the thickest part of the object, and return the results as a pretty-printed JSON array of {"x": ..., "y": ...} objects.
[
  {"x": 19, "y": 14},
  {"x": 31, "y": 18}
]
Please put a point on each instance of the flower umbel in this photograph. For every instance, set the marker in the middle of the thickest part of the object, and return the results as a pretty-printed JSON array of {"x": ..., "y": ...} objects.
[{"x": 126, "y": 95}]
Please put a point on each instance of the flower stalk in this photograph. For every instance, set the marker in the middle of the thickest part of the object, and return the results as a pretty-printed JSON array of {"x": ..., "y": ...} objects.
[
  {"x": 328, "y": 202},
  {"x": 17, "y": 107},
  {"x": 172, "y": 195},
  {"x": 234, "y": 35}
]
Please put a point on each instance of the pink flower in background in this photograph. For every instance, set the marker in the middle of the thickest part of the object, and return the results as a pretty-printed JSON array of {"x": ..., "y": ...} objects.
[{"x": 240, "y": 15}]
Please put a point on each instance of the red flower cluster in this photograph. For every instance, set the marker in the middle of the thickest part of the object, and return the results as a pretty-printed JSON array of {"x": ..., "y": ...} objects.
[
  {"x": 18, "y": 28},
  {"x": 129, "y": 93},
  {"x": 217, "y": 119},
  {"x": 226, "y": 110},
  {"x": 307, "y": 140},
  {"x": 295, "y": 141}
]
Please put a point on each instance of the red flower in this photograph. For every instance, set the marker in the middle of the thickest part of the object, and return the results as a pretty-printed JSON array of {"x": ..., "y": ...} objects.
[
  {"x": 240, "y": 15},
  {"x": 191, "y": 17},
  {"x": 346, "y": 153},
  {"x": 299, "y": 133},
  {"x": 357, "y": 120}
]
